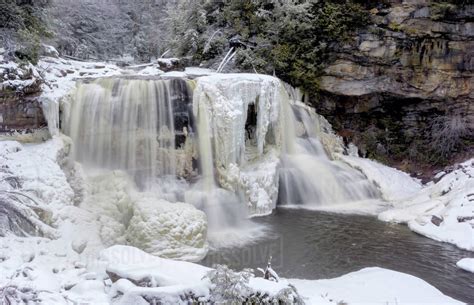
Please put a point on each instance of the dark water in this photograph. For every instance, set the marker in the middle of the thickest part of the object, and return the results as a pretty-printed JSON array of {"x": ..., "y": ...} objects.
[{"x": 314, "y": 245}]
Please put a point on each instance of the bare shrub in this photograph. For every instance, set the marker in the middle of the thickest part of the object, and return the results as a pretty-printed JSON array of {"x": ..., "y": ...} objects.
[{"x": 446, "y": 135}]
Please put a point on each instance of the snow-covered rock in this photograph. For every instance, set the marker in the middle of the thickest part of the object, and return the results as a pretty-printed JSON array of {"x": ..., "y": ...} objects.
[
  {"x": 137, "y": 276},
  {"x": 174, "y": 282},
  {"x": 466, "y": 264}
]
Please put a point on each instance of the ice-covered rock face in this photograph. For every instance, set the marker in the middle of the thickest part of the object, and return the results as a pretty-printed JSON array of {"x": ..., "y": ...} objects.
[
  {"x": 226, "y": 100},
  {"x": 237, "y": 120},
  {"x": 260, "y": 141}
]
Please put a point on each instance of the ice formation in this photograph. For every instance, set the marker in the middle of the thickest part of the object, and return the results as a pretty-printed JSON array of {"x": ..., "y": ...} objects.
[{"x": 250, "y": 119}]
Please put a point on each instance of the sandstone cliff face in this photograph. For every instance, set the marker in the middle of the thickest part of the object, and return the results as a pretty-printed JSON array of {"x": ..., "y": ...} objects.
[
  {"x": 20, "y": 109},
  {"x": 383, "y": 89}
]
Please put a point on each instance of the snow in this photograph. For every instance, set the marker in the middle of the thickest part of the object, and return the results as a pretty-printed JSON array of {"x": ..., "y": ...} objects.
[
  {"x": 60, "y": 75},
  {"x": 466, "y": 264},
  {"x": 73, "y": 267},
  {"x": 37, "y": 167},
  {"x": 174, "y": 74},
  {"x": 132, "y": 263},
  {"x": 451, "y": 199},
  {"x": 394, "y": 184},
  {"x": 193, "y": 72},
  {"x": 371, "y": 286},
  {"x": 168, "y": 62},
  {"x": 150, "y": 70},
  {"x": 171, "y": 279}
]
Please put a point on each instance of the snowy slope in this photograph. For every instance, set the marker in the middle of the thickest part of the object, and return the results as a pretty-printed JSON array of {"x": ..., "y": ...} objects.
[{"x": 443, "y": 211}]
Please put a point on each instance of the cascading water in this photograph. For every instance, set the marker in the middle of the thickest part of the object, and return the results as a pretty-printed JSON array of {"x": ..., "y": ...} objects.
[
  {"x": 129, "y": 125},
  {"x": 156, "y": 129},
  {"x": 307, "y": 175},
  {"x": 145, "y": 128}
]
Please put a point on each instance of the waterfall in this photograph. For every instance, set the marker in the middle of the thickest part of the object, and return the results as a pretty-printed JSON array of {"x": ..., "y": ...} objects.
[
  {"x": 307, "y": 175},
  {"x": 204, "y": 142},
  {"x": 129, "y": 125}
]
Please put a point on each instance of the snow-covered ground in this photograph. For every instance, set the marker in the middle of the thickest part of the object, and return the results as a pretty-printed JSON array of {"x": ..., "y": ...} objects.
[
  {"x": 70, "y": 264},
  {"x": 442, "y": 210},
  {"x": 55, "y": 274},
  {"x": 371, "y": 286}
]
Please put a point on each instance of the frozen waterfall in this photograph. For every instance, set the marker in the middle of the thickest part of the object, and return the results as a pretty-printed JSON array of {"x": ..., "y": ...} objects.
[{"x": 230, "y": 144}]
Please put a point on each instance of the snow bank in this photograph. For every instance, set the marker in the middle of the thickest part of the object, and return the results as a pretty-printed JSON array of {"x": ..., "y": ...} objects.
[
  {"x": 466, "y": 264},
  {"x": 167, "y": 281},
  {"x": 443, "y": 211},
  {"x": 371, "y": 286},
  {"x": 132, "y": 263},
  {"x": 172, "y": 281},
  {"x": 37, "y": 169}
]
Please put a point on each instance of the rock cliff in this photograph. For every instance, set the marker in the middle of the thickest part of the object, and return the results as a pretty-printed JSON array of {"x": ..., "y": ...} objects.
[
  {"x": 411, "y": 69},
  {"x": 20, "y": 86}
]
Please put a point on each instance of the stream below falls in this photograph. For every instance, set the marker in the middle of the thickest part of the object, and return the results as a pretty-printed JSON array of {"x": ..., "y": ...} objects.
[{"x": 317, "y": 245}]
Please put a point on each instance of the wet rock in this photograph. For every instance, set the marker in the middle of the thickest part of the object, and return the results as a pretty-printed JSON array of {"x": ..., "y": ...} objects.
[
  {"x": 436, "y": 220},
  {"x": 465, "y": 218}
]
